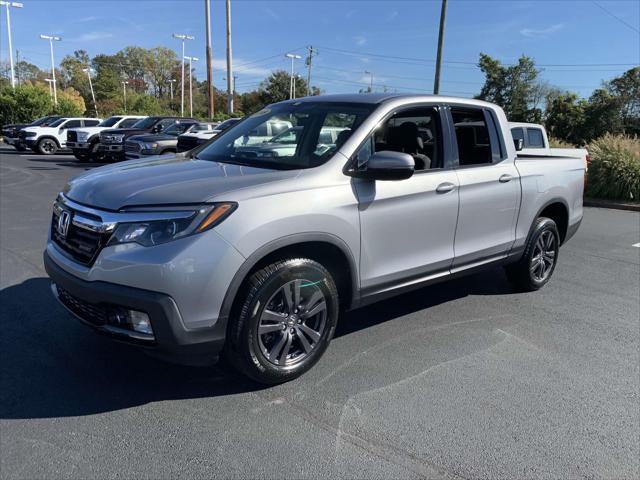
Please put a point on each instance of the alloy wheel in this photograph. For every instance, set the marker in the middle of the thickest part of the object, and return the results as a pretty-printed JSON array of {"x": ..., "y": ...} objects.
[
  {"x": 544, "y": 256},
  {"x": 292, "y": 322}
]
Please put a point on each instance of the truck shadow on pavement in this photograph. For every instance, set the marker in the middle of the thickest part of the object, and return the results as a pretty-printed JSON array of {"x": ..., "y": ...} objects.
[{"x": 52, "y": 366}]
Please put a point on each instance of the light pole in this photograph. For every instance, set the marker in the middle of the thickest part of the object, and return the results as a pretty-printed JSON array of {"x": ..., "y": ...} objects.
[
  {"x": 229, "y": 60},
  {"x": 207, "y": 16},
  {"x": 191, "y": 60},
  {"x": 292, "y": 56},
  {"x": 233, "y": 85},
  {"x": 183, "y": 37},
  {"x": 15, "y": 5},
  {"x": 93, "y": 96},
  {"x": 366, "y": 72},
  {"x": 50, "y": 82},
  {"x": 294, "y": 84},
  {"x": 443, "y": 16},
  {"x": 171, "y": 82},
  {"x": 51, "y": 38},
  {"x": 124, "y": 92}
]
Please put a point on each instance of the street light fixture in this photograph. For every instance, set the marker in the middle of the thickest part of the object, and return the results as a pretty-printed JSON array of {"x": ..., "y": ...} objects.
[
  {"x": 366, "y": 72},
  {"x": 191, "y": 60},
  {"x": 292, "y": 56},
  {"x": 93, "y": 96},
  {"x": 124, "y": 91},
  {"x": 51, "y": 39},
  {"x": 183, "y": 37},
  {"x": 15, "y": 5}
]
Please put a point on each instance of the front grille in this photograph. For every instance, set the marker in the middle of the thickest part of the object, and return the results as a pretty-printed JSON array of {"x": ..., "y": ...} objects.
[
  {"x": 80, "y": 244},
  {"x": 132, "y": 147},
  {"x": 93, "y": 314},
  {"x": 187, "y": 143},
  {"x": 72, "y": 136}
]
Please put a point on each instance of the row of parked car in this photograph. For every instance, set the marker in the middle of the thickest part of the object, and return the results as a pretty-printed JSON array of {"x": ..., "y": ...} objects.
[{"x": 116, "y": 138}]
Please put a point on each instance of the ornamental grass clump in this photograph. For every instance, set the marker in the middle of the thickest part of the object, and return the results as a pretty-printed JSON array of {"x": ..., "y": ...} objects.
[{"x": 614, "y": 172}]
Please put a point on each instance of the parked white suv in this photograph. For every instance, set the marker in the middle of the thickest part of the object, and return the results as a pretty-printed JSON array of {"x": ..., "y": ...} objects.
[
  {"x": 48, "y": 140},
  {"x": 84, "y": 141}
]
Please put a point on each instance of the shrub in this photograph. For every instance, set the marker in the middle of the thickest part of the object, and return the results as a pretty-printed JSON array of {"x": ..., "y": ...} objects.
[
  {"x": 24, "y": 104},
  {"x": 558, "y": 143},
  {"x": 614, "y": 172}
]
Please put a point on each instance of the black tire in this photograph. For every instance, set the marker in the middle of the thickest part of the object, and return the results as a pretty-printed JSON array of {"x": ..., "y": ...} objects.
[
  {"x": 257, "y": 354},
  {"x": 19, "y": 147},
  {"x": 95, "y": 155},
  {"x": 167, "y": 152},
  {"x": 47, "y": 146},
  {"x": 82, "y": 157},
  {"x": 535, "y": 268}
]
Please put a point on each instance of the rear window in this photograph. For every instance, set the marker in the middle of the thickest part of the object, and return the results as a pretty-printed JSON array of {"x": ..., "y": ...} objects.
[
  {"x": 534, "y": 135},
  {"x": 517, "y": 133}
]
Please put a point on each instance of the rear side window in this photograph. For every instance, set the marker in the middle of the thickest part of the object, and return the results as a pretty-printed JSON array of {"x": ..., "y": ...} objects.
[
  {"x": 472, "y": 137},
  {"x": 73, "y": 124},
  {"x": 534, "y": 135},
  {"x": 517, "y": 133},
  {"x": 129, "y": 122},
  {"x": 91, "y": 123}
]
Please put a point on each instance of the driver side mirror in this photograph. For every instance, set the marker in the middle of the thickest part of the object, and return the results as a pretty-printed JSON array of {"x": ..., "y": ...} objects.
[
  {"x": 386, "y": 165},
  {"x": 519, "y": 143},
  {"x": 156, "y": 129}
]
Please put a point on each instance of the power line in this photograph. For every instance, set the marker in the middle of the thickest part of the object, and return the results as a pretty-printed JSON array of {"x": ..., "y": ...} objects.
[{"x": 615, "y": 16}]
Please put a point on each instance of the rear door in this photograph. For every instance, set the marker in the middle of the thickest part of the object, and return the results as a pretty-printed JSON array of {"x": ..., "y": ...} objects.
[
  {"x": 489, "y": 188},
  {"x": 62, "y": 131},
  {"x": 408, "y": 226}
]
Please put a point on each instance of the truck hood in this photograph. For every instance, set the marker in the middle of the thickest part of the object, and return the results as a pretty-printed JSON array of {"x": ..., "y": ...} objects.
[
  {"x": 126, "y": 131},
  {"x": 42, "y": 130},
  {"x": 165, "y": 180},
  {"x": 153, "y": 138},
  {"x": 89, "y": 130}
]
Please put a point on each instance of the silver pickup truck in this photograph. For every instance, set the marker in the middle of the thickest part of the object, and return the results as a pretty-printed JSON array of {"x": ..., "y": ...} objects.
[{"x": 222, "y": 252}]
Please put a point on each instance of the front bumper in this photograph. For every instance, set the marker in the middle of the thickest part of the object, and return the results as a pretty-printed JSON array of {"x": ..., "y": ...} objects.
[
  {"x": 172, "y": 340},
  {"x": 78, "y": 145}
]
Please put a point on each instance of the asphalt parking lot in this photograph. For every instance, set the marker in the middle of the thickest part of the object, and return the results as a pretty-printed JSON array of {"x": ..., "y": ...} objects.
[{"x": 466, "y": 379}]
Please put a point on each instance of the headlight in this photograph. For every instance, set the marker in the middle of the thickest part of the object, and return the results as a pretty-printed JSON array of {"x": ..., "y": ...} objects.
[
  {"x": 30, "y": 134},
  {"x": 149, "y": 146},
  {"x": 82, "y": 136},
  {"x": 163, "y": 231}
]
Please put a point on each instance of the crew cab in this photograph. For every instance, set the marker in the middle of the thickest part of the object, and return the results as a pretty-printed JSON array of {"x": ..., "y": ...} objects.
[
  {"x": 10, "y": 132},
  {"x": 220, "y": 252},
  {"x": 536, "y": 142},
  {"x": 163, "y": 143},
  {"x": 112, "y": 140},
  {"x": 47, "y": 140},
  {"x": 84, "y": 142}
]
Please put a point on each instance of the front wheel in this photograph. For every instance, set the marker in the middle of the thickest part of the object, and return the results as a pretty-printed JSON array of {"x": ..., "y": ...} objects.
[
  {"x": 536, "y": 266},
  {"x": 19, "y": 147},
  {"x": 47, "y": 146},
  {"x": 285, "y": 322}
]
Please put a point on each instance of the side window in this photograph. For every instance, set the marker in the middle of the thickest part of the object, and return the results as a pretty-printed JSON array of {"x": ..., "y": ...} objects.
[
  {"x": 472, "y": 136},
  {"x": 128, "y": 122},
  {"x": 72, "y": 124},
  {"x": 162, "y": 124},
  {"x": 414, "y": 131},
  {"x": 91, "y": 123},
  {"x": 517, "y": 133},
  {"x": 534, "y": 136}
]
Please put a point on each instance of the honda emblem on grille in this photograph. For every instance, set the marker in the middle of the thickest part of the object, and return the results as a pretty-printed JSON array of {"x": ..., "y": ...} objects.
[{"x": 64, "y": 220}]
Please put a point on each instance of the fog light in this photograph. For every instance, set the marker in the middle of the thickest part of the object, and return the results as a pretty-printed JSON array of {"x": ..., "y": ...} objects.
[{"x": 140, "y": 322}]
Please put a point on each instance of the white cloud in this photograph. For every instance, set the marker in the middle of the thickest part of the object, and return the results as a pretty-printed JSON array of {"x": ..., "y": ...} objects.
[
  {"x": 392, "y": 15},
  {"x": 360, "y": 40},
  {"x": 255, "y": 70},
  {"x": 92, "y": 36},
  {"x": 272, "y": 14},
  {"x": 91, "y": 18},
  {"x": 541, "y": 32}
]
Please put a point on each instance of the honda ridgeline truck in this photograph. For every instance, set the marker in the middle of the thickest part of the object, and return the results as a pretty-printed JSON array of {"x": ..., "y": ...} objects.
[{"x": 221, "y": 251}]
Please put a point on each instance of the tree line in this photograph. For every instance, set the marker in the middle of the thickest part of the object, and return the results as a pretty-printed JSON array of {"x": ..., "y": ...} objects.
[{"x": 151, "y": 74}]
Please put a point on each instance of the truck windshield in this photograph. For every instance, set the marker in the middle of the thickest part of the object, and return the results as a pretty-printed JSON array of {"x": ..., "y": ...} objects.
[
  {"x": 250, "y": 142},
  {"x": 109, "y": 122},
  {"x": 145, "y": 123}
]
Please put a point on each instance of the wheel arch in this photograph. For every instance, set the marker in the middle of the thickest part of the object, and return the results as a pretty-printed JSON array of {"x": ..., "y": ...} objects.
[
  {"x": 557, "y": 210},
  {"x": 329, "y": 250},
  {"x": 48, "y": 137}
]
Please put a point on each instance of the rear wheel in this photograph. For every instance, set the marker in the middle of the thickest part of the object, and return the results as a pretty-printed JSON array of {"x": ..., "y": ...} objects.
[
  {"x": 47, "y": 146},
  {"x": 285, "y": 321},
  {"x": 540, "y": 257}
]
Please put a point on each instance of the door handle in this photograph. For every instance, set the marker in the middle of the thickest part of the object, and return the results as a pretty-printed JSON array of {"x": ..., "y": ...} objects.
[
  {"x": 505, "y": 178},
  {"x": 445, "y": 187}
]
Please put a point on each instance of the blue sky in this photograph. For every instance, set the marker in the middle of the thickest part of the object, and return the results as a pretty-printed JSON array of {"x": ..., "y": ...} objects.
[{"x": 580, "y": 43}]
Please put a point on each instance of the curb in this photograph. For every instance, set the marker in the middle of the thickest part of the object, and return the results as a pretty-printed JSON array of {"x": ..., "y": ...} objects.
[{"x": 594, "y": 202}]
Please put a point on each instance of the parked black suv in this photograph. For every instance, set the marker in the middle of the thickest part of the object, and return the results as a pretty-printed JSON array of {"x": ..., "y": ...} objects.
[
  {"x": 138, "y": 146},
  {"x": 112, "y": 141}
]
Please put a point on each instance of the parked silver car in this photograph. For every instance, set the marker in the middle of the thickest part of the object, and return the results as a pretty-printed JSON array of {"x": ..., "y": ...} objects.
[{"x": 221, "y": 252}]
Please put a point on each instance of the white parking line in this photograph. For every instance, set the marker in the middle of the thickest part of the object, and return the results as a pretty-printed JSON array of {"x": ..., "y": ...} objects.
[{"x": 637, "y": 245}]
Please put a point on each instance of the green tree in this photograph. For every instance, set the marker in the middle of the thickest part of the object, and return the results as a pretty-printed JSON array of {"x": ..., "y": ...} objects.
[
  {"x": 24, "y": 104},
  {"x": 276, "y": 87},
  {"x": 603, "y": 114},
  {"x": 565, "y": 117},
  {"x": 515, "y": 88},
  {"x": 627, "y": 89}
]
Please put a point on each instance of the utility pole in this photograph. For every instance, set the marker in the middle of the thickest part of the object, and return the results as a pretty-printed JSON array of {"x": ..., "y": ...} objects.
[
  {"x": 124, "y": 92},
  {"x": 312, "y": 52},
  {"x": 15, "y": 5},
  {"x": 229, "y": 62},
  {"x": 292, "y": 56},
  {"x": 210, "y": 102},
  {"x": 183, "y": 37},
  {"x": 443, "y": 16},
  {"x": 171, "y": 82},
  {"x": 93, "y": 96},
  {"x": 191, "y": 60},
  {"x": 51, "y": 38}
]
